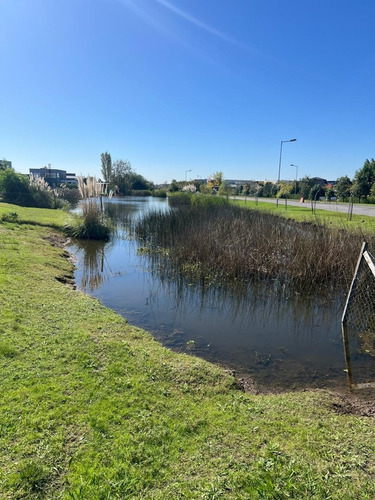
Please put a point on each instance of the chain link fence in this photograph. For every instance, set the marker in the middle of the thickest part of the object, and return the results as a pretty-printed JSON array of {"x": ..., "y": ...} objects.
[{"x": 358, "y": 323}]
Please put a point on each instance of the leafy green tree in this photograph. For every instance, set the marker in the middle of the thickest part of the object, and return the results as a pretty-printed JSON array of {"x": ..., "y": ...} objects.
[
  {"x": 343, "y": 187},
  {"x": 364, "y": 179},
  {"x": 305, "y": 185},
  {"x": 316, "y": 192},
  {"x": 267, "y": 190},
  {"x": 217, "y": 178},
  {"x": 138, "y": 182},
  {"x": 285, "y": 189},
  {"x": 121, "y": 177},
  {"x": 205, "y": 188},
  {"x": 106, "y": 166},
  {"x": 224, "y": 189},
  {"x": 174, "y": 186},
  {"x": 329, "y": 192}
]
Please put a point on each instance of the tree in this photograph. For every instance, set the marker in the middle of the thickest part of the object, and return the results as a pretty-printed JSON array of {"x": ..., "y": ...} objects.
[
  {"x": 305, "y": 185},
  {"x": 329, "y": 192},
  {"x": 268, "y": 190},
  {"x": 174, "y": 187},
  {"x": 122, "y": 176},
  {"x": 138, "y": 182},
  {"x": 106, "y": 166},
  {"x": 205, "y": 188},
  {"x": 364, "y": 179},
  {"x": 224, "y": 189},
  {"x": 343, "y": 187},
  {"x": 215, "y": 180},
  {"x": 316, "y": 191},
  {"x": 285, "y": 189}
]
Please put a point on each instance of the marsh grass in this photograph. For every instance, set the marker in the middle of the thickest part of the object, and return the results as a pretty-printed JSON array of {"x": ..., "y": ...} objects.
[
  {"x": 188, "y": 199},
  {"x": 232, "y": 244},
  {"x": 179, "y": 199}
]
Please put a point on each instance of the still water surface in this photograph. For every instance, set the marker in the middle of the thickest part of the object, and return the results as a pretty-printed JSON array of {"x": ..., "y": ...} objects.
[{"x": 280, "y": 340}]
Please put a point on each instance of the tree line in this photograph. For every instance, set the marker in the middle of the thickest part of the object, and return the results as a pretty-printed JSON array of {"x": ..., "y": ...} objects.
[
  {"x": 121, "y": 177},
  {"x": 361, "y": 188}
]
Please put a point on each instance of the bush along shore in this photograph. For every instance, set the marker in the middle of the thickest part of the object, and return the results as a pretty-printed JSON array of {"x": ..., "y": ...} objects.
[{"x": 93, "y": 408}]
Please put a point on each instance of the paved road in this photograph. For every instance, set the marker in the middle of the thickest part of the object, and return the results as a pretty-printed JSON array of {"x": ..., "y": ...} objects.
[{"x": 358, "y": 209}]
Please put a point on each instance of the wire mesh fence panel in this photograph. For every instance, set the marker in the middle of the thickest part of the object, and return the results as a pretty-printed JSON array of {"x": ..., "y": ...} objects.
[{"x": 358, "y": 323}]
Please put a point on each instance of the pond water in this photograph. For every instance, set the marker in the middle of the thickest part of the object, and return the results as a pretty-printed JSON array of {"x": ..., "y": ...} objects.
[{"x": 280, "y": 340}]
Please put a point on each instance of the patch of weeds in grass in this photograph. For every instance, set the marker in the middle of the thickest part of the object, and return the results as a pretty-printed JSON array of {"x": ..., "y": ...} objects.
[
  {"x": 10, "y": 217},
  {"x": 7, "y": 350},
  {"x": 31, "y": 478}
]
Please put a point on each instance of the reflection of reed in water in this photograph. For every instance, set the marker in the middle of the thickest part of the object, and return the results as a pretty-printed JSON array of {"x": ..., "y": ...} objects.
[
  {"x": 243, "y": 302},
  {"x": 95, "y": 268}
]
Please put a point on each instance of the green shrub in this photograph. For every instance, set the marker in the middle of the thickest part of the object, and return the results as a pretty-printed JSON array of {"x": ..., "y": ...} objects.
[
  {"x": 69, "y": 194},
  {"x": 15, "y": 188},
  {"x": 159, "y": 193},
  {"x": 10, "y": 217}
]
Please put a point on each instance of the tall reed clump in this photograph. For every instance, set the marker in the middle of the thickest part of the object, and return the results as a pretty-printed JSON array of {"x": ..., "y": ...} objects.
[
  {"x": 188, "y": 199},
  {"x": 159, "y": 193},
  {"x": 91, "y": 224},
  {"x": 231, "y": 244},
  {"x": 179, "y": 199}
]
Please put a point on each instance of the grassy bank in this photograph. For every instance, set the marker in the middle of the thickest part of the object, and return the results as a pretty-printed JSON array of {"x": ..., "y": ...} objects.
[
  {"x": 39, "y": 216},
  {"x": 303, "y": 213},
  {"x": 93, "y": 408}
]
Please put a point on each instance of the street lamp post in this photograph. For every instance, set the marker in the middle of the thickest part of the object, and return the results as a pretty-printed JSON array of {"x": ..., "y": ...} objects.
[
  {"x": 295, "y": 191},
  {"x": 186, "y": 172},
  {"x": 278, "y": 177}
]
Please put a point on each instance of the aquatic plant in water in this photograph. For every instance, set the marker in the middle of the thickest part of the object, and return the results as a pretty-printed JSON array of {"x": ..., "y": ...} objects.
[
  {"x": 229, "y": 244},
  {"x": 91, "y": 224}
]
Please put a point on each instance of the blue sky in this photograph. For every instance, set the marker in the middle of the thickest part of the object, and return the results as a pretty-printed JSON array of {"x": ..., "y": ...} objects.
[{"x": 177, "y": 85}]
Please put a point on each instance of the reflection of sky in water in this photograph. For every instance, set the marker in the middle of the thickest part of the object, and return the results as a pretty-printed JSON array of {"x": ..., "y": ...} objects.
[{"x": 280, "y": 340}]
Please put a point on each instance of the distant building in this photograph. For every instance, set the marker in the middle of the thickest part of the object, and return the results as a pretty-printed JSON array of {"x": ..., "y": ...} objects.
[
  {"x": 71, "y": 179},
  {"x": 54, "y": 177}
]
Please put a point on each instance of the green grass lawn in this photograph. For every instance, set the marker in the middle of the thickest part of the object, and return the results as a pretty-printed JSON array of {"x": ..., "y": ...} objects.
[
  {"x": 40, "y": 216},
  {"x": 93, "y": 408},
  {"x": 303, "y": 213}
]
